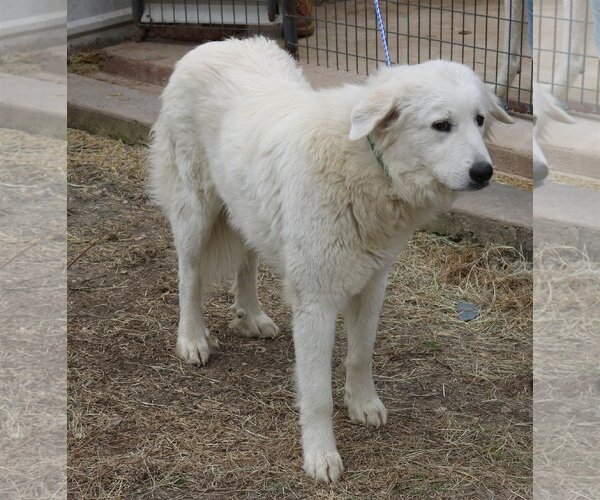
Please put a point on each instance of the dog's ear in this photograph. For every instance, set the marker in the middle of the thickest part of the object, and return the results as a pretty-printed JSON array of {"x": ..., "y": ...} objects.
[
  {"x": 497, "y": 111},
  {"x": 376, "y": 109}
]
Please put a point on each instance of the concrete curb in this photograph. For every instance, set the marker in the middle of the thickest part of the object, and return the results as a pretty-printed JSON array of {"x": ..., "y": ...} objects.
[
  {"x": 100, "y": 123},
  {"x": 111, "y": 110},
  {"x": 144, "y": 62},
  {"x": 33, "y": 105},
  {"x": 498, "y": 214},
  {"x": 574, "y": 148}
]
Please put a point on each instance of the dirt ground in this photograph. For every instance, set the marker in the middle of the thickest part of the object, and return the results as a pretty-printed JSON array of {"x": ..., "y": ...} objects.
[{"x": 142, "y": 424}]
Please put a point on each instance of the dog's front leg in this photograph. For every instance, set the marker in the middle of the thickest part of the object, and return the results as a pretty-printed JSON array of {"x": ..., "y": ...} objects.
[
  {"x": 360, "y": 318},
  {"x": 314, "y": 332}
]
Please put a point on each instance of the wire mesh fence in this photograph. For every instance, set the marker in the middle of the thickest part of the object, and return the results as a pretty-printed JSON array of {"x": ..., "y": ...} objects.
[
  {"x": 493, "y": 37},
  {"x": 566, "y": 49},
  {"x": 474, "y": 33}
]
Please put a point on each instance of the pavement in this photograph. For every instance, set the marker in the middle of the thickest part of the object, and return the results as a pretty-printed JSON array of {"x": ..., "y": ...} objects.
[
  {"x": 35, "y": 106},
  {"x": 574, "y": 148},
  {"x": 35, "y": 99},
  {"x": 566, "y": 215}
]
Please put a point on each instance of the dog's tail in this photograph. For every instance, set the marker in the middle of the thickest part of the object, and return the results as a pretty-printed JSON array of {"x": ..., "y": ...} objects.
[
  {"x": 223, "y": 251},
  {"x": 217, "y": 245},
  {"x": 162, "y": 174}
]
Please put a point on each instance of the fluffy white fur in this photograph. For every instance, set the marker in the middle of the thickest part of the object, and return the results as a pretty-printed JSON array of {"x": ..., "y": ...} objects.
[{"x": 248, "y": 159}]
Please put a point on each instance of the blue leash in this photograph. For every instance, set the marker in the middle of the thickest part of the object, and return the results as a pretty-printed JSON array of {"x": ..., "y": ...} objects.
[
  {"x": 388, "y": 62},
  {"x": 381, "y": 27}
]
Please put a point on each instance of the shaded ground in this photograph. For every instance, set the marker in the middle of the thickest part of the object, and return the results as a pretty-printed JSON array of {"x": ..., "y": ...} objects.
[{"x": 143, "y": 424}]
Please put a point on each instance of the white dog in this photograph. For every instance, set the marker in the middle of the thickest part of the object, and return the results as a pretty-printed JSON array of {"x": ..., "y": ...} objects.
[{"x": 325, "y": 185}]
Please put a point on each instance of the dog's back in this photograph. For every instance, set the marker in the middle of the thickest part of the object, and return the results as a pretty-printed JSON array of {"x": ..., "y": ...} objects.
[
  {"x": 207, "y": 82},
  {"x": 213, "y": 76}
]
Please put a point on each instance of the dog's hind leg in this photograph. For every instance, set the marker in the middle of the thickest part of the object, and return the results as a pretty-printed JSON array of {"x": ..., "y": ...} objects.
[
  {"x": 192, "y": 222},
  {"x": 250, "y": 319},
  {"x": 207, "y": 247},
  {"x": 361, "y": 317}
]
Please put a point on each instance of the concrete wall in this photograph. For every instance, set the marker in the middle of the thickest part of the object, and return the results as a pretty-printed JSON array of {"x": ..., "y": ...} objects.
[
  {"x": 9, "y": 11},
  {"x": 32, "y": 23},
  {"x": 89, "y": 16}
]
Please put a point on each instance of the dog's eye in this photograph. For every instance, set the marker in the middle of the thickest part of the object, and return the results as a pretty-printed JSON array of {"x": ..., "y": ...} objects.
[
  {"x": 442, "y": 126},
  {"x": 480, "y": 119}
]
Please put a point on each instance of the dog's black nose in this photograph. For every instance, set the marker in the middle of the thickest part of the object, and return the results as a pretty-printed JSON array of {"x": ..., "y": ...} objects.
[{"x": 481, "y": 172}]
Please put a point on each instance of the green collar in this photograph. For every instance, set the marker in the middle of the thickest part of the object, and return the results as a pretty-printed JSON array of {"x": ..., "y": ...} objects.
[{"x": 378, "y": 156}]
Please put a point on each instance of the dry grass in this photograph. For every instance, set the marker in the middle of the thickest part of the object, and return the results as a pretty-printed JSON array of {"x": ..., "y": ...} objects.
[
  {"x": 143, "y": 424},
  {"x": 32, "y": 316},
  {"x": 84, "y": 62},
  {"x": 25, "y": 63},
  {"x": 567, "y": 375},
  {"x": 514, "y": 180},
  {"x": 575, "y": 180}
]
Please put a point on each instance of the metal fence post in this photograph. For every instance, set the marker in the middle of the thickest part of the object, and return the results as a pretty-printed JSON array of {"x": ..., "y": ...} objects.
[
  {"x": 290, "y": 29},
  {"x": 137, "y": 7}
]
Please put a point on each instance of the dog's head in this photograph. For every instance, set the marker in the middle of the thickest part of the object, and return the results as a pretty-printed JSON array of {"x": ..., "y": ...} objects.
[{"x": 430, "y": 119}]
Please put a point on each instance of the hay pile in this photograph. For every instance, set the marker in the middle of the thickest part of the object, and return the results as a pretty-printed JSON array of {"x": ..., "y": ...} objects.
[{"x": 143, "y": 423}]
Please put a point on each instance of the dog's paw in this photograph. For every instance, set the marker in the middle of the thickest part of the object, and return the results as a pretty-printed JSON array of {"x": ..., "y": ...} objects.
[
  {"x": 366, "y": 411},
  {"x": 254, "y": 325},
  {"x": 321, "y": 466},
  {"x": 197, "y": 349}
]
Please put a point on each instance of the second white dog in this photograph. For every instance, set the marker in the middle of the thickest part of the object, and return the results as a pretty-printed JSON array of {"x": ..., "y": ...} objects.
[{"x": 326, "y": 186}]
